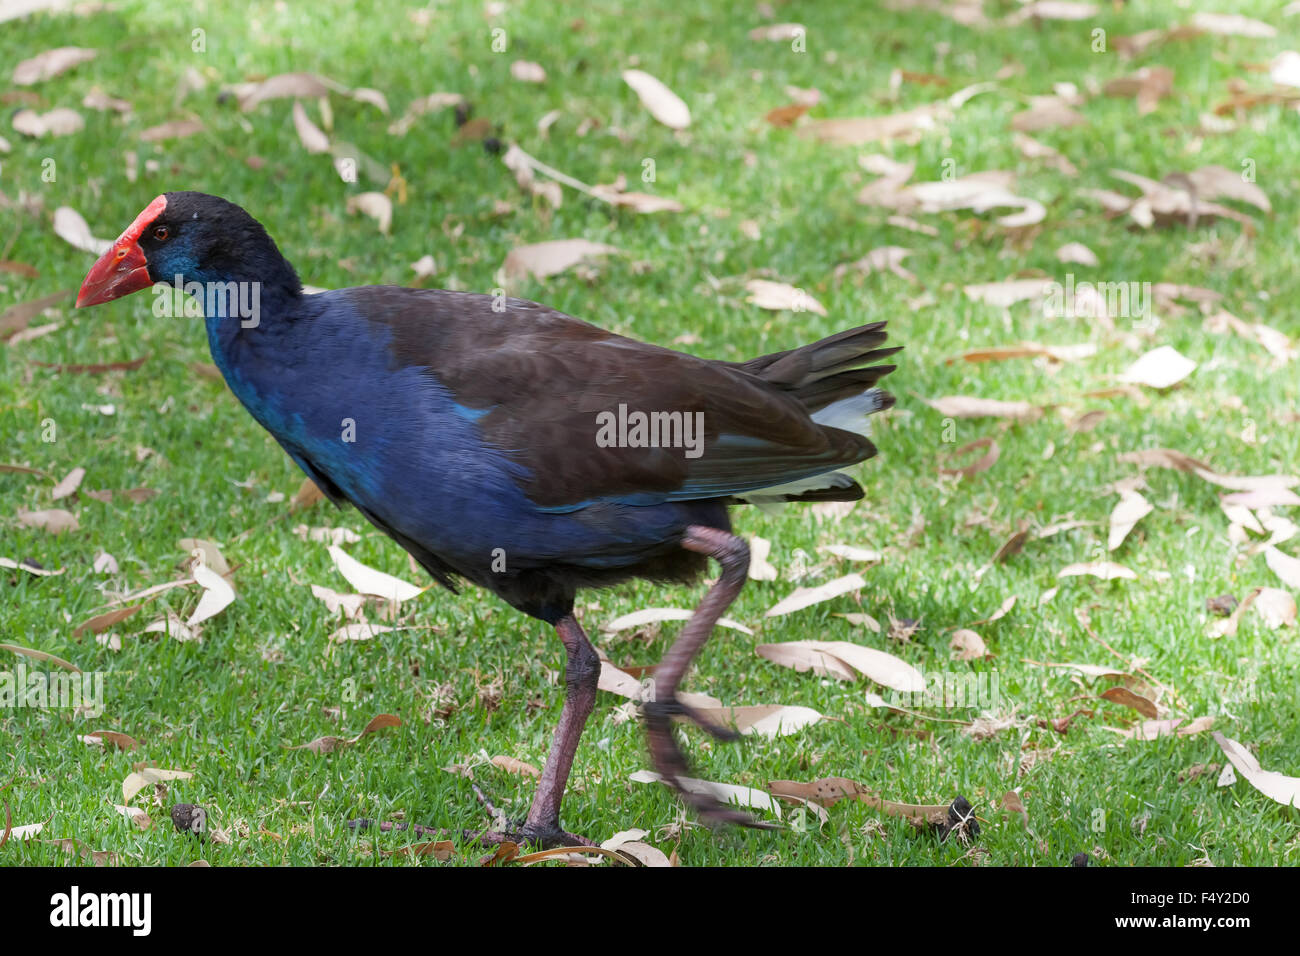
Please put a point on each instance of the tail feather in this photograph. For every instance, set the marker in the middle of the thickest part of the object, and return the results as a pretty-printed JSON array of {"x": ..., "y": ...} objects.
[{"x": 836, "y": 379}]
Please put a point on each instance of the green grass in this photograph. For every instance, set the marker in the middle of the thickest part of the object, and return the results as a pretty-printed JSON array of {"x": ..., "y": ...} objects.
[{"x": 264, "y": 673}]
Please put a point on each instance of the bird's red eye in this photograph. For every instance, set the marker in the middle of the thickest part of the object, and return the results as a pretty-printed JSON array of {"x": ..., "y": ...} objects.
[{"x": 160, "y": 233}]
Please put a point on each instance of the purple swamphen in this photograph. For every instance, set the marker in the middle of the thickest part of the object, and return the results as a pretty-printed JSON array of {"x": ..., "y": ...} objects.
[{"x": 513, "y": 446}]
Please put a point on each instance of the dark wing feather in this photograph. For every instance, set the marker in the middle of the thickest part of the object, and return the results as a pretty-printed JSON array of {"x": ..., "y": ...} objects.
[{"x": 535, "y": 381}]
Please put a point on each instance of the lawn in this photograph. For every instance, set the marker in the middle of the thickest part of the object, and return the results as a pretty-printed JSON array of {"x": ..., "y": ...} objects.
[{"x": 469, "y": 678}]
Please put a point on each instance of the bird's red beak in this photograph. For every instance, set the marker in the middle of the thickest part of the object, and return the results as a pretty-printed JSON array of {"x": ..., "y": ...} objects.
[{"x": 123, "y": 269}]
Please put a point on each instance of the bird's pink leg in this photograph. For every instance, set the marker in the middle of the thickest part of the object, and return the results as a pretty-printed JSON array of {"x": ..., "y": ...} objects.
[
  {"x": 733, "y": 554},
  {"x": 581, "y": 673}
]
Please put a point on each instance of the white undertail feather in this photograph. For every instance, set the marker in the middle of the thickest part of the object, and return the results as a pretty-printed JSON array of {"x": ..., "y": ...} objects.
[{"x": 849, "y": 414}]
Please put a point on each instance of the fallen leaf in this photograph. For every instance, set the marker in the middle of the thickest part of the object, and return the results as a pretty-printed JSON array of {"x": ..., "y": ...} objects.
[
  {"x": 1163, "y": 367},
  {"x": 807, "y": 597},
  {"x": 57, "y": 122},
  {"x": 1126, "y": 698},
  {"x": 1076, "y": 252},
  {"x": 70, "y": 483},
  {"x": 1131, "y": 509},
  {"x": 960, "y": 406},
  {"x": 311, "y": 136},
  {"x": 53, "y": 520},
  {"x": 361, "y": 631},
  {"x": 527, "y": 71},
  {"x": 50, "y": 64},
  {"x": 1170, "y": 458},
  {"x": 106, "y": 738},
  {"x": 512, "y": 765},
  {"x": 983, "y": 463},
  {"x": 760, "y": 569},
  {"x": 1105, "y": 570},
  {"x": 781, "y": 296},
  {"x": 545, "y": 259},
  {"x": 102, "y": 622},
  {"x": 966, "y": 645},
  {"x": 325, "y": 745},
  {"x": 1232, "y": 24},
  {"x": 661, "y": 102},
  {"x": 217, "y": 594},
  {"x": 304, "y": 85},
  {"x": 72, "y": 229},
  {"x": 145, "y": 776},
  {"x": 36, "y": 655},
  {"x": 1274, "y": 785},
  {"x": 176, "y": 129},
  {"x": 840, "y": 659},
  {"x": 375, "y": 205},
  {"x": 1283, "y": 565},
  {"x": 654, "y": 615},
  {"x": 367, "y": 580}
]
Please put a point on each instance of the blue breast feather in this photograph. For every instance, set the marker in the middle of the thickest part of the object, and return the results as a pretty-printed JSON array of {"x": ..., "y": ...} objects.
[{"x": 416, "y": 459}]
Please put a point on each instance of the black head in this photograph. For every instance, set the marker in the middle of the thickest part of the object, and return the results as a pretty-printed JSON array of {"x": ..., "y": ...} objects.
[{"x": 188, "y": 237}]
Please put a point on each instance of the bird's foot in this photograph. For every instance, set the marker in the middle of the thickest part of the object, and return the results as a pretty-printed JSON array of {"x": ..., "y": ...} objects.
[
  {"x": 675, "y": 707},
  {"x": 672, "y": 767},
  {"x": 546, "y": 837}
]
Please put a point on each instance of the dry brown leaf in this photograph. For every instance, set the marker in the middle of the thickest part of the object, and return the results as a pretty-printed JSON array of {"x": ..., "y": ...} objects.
[
  {"x": 1131, "y": 509},
  {"x": 72, "y": 229},
  {"x": 1076, "y": 252},
  {"x": 526, "y": 71},
  {"x": 70, "y": 483},
  {"x": 981, "y": 464},
  {"x": 845, "y": 658},
  {"x": 723, "y": 792},
  {"x": 655, "y": 615},
  {"x": 1170, "y": 458},
  {"x": 30, "y": 568},
  {"x": 304, "y": 85},
  {"x": 962, "y": 406},
  {"x": 102, "y": 622},
  {"x": 146, "y": 776},
  {"x": 1105, "y": 570},
  {"x": 1283, "y": 565},
  {"x": 111, "y": 738},
  {"x": 368, "y": 580},
  {"x": 1150, "y": 85},
  {"x": 325, "y": 745},
  {"x": 57, "y": 122},
  {"x": 781, "y": 296},
  {"x": 764, "y": 720},
  {"x": 1126, "y": 698},
  {"x": 375, "y": 205},
  {"x": 217, "y": 595},
  {"x": 310, "y": 135},
  {"x": 966, "y": 645},
  {"x": 51, "y": 63},
  {"x": 545, "y": 259},
  {"x": 807, "y": 597},
  {"x": 1274, "y": 785},
  {"x": 53, "y": 520},
  {"x": 176, "y": 129},
  {"x": 760, "y": 569},
  {"x": 513, "y": 765},
  {"x": 1232, "y": 25}
]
